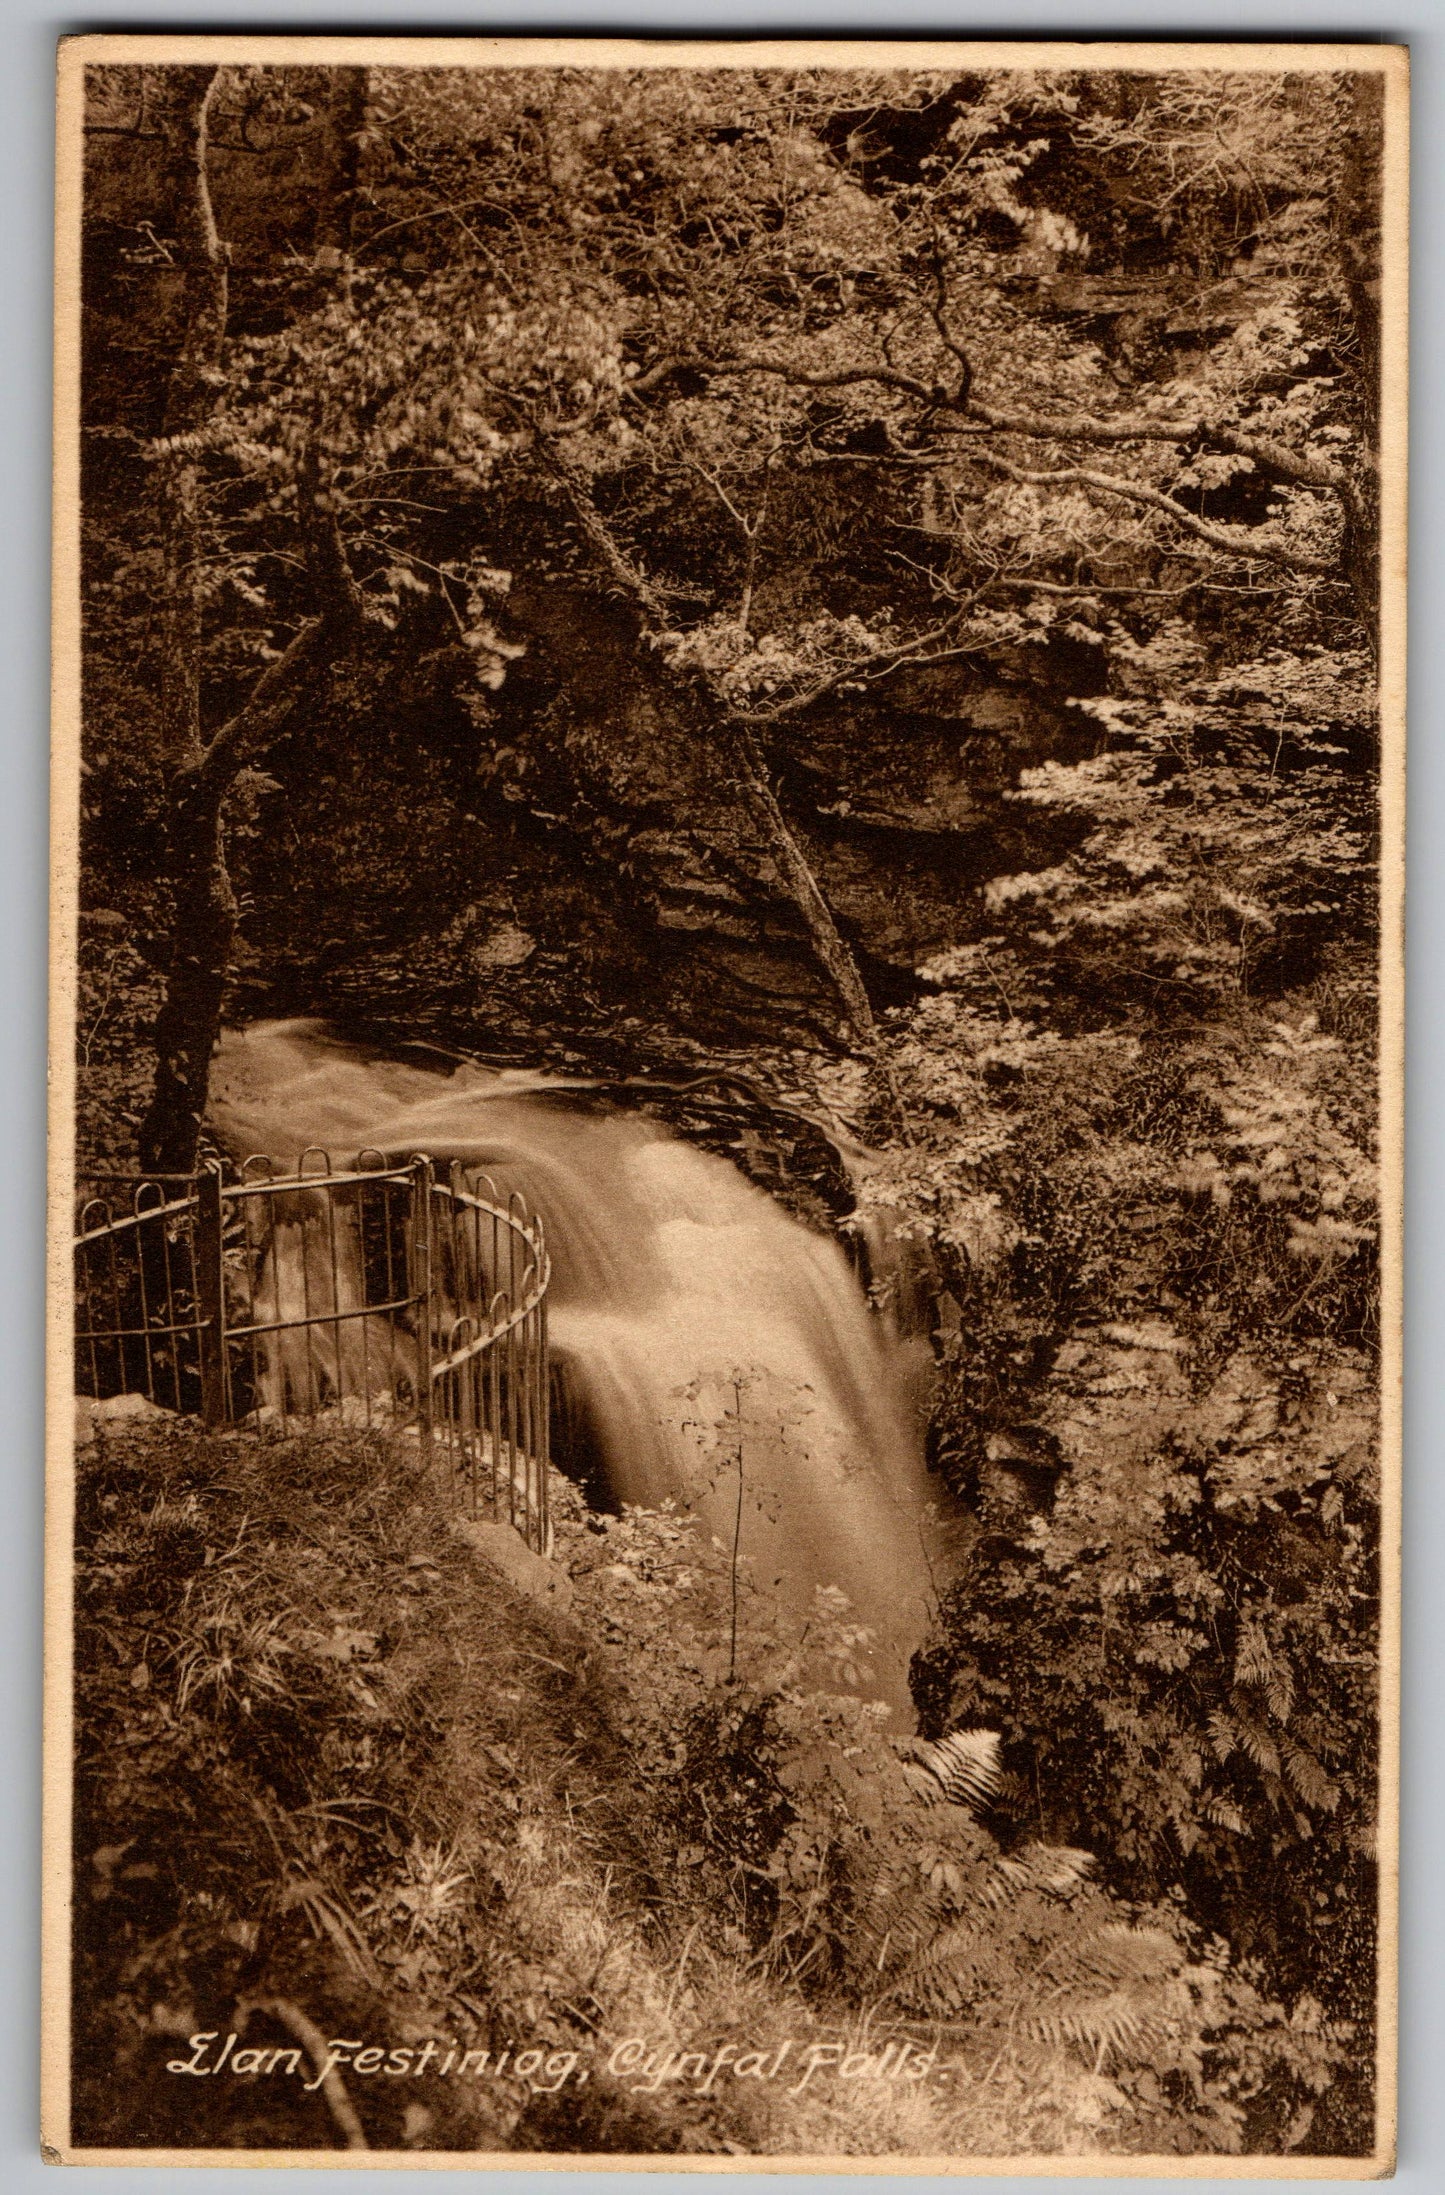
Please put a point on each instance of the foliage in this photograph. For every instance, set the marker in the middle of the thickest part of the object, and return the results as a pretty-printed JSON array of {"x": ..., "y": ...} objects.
[
  {"x": 502, "y": 353},
  {"x": 1143, "y": 1103},
  {"x": 852, "y": 1861},
  {"x": 1225, "y": 842},
  {"x": 336, "y": 1773},
  {"x": 860, "y": 403},
  {"x": 1158, "y": 1390}
]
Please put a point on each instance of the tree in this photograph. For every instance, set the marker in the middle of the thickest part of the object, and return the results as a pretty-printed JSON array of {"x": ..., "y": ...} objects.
[
  {"x": 851, "y": 285},
  {"x": 849, "y": 394},
  {"x": 203, "y": 766},
  {"x": 524, "y": 320}
]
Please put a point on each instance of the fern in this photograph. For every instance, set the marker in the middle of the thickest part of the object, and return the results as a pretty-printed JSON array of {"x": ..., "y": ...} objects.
[
  {"x": 950, "y": 1926},
  {"x": 1224, "y": 1814},
  {"x": 1039, "y": 1948},
  {"x": 964, "y": 1769},
  {"x": 1309, "y": 1779}
]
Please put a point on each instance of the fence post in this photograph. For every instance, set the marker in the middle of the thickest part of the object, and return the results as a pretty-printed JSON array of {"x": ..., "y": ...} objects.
[
  {"x": 544, "y": 1458},
  {"x": 421, "y": 1289},
  {"x": 210, "y": 1295}
]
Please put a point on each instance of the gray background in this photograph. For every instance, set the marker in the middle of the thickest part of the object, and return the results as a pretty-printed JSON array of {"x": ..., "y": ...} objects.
[{"x": 27, "y": 46}]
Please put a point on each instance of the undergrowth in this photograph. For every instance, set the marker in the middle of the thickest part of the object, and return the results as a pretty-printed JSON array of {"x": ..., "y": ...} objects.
[{"x": 339, "y": 1779}]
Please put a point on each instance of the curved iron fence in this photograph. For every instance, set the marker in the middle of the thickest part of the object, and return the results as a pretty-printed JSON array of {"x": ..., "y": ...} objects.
[{"x": 388, "y": 1295}]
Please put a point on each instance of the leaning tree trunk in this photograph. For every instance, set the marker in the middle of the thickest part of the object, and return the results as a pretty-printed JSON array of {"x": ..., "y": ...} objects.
[
  {"x": 833, "y": 952},
  {"x": 828, "y": 942},
  {"x": 205, "y": 907}
]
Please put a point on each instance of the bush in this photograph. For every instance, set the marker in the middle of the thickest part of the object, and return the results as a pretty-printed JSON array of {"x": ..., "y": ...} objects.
[
  {"x": 854, "y": 1864},
  {"x": 339, "y": 1779},
  {"x": 1158, "y": 1410}
]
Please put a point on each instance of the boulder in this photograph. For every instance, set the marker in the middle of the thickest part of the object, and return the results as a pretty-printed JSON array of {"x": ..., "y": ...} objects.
[
  {"x": 527, "y": 1573},
  {"x": 114, "y": 1414}
]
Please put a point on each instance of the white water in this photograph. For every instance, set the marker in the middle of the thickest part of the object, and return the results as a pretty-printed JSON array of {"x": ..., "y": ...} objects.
[{"x": 672, "y": 1277}]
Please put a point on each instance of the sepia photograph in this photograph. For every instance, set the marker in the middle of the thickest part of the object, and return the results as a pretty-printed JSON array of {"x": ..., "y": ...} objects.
[{"x": 724, "y": 1203}]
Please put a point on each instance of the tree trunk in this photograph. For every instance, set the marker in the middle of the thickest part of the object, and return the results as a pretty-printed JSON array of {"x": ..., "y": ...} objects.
[
  {"x": 203, "y": 934},
  {"x": 832, "y": 948},
  {"x": 184, "y": 100},
  {"x": 827, "y": 940},
  {"x": 348, "y": 96},
  {"x": 203, "y": 915},
  {"x": 189, "y": 1022}
]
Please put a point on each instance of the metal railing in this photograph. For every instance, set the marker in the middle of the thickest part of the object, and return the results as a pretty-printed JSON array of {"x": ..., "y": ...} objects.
[{"x": 390, "y": 1295}]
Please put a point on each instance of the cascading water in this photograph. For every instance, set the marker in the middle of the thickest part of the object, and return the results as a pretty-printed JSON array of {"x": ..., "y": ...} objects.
[{"x": 683, "y": 1301}]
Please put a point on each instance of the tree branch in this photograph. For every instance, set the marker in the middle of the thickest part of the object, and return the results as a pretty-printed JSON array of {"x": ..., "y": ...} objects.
[
  {"x": 1235, "y": 540},
  {"x": 938, "y": 313},
  {"x": 625, "y": 574},
  {"x": 283, "y": 682},
  {"x": 870, "y": 669},
  {"x": 844, "y": 377},
  {"x": 326, "y": 553},
  {"x": 261, "y": 716},
  {"x": 1271, "y": 456}
]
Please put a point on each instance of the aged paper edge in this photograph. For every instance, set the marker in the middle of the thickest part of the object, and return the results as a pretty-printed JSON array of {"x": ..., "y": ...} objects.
[
  {"x": 1115, "y": 2166},
  {"x": 741, "y": 53},
  {"x": 75, "y": 54}
]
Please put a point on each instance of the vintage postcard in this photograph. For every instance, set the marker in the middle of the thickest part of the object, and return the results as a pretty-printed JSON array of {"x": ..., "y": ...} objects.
[{"x": 726, "y": 1146}]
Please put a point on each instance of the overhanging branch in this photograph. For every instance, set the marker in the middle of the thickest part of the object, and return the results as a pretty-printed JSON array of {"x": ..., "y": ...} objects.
[
  {"x": 1234, "y": 540},
  {"x": 1273, "y": 457}
]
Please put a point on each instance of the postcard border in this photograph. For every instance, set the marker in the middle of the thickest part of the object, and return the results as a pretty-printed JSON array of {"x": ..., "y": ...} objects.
[{"x": 75, "y": 54}]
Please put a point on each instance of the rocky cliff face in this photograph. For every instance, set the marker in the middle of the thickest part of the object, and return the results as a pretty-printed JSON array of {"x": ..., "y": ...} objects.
[{"x": 584, "y": 864}]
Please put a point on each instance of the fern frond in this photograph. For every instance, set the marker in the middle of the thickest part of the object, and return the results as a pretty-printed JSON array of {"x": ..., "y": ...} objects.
[
  {"x": 1309, "y": 1779},
  {"x": 1115, "y": 1954},
  {"x": 1112, "y": 1988},
  {"x": 1117, "y": 2022},
  {"x": 1254, "y": 1661},
  {"x": 964, "y": 1768},
  {"x": 1058, "y": 1869},
  {"x": 958, "y": 1966},
  {"x": 1223, "y": 1734},
  {"x": 1224, "y": 1814},
  {"x": 1257, "y": 1743}
]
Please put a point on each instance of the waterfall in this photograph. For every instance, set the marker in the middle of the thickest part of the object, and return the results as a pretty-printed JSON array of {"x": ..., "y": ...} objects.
[{"x": 681, "y": 1297}]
